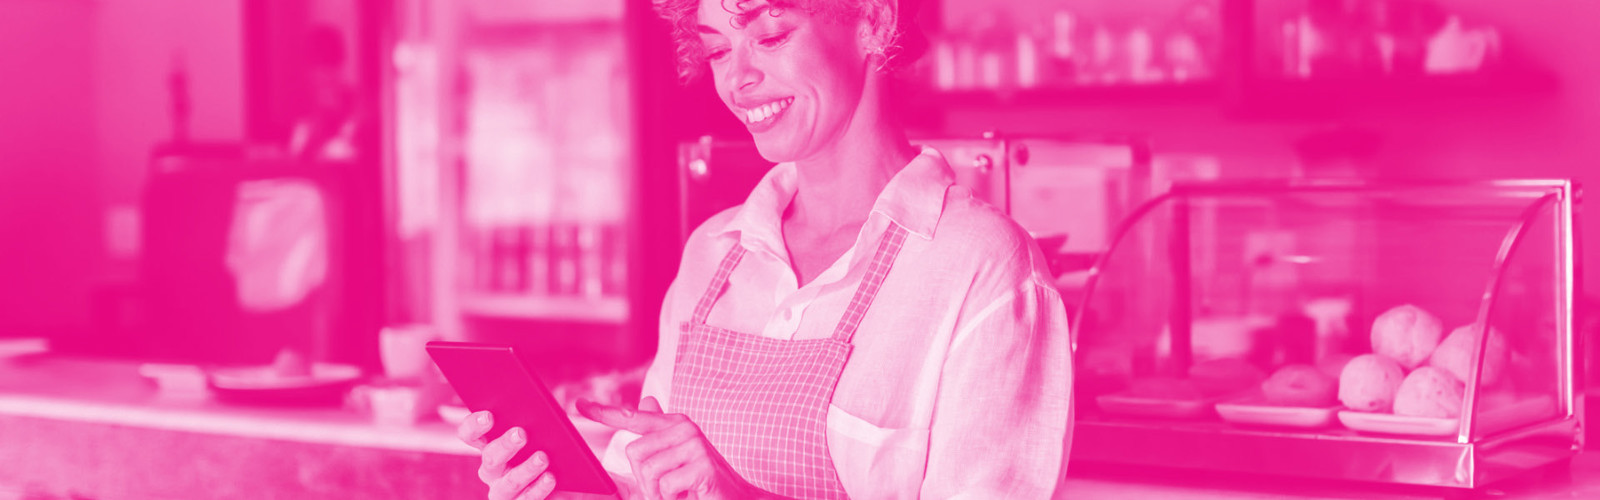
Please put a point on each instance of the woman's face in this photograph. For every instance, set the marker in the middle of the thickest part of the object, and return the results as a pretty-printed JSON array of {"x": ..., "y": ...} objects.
[{"x": 794, "y": 79}]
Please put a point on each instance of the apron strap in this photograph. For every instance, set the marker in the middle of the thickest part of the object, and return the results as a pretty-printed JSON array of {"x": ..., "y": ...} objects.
[
  {"x": 719, "y": 282},
  {"x": 888, "y": 249}
]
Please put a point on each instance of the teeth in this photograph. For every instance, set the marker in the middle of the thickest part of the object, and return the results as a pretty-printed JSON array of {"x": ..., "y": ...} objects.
[{"x": 765, "y": 111}]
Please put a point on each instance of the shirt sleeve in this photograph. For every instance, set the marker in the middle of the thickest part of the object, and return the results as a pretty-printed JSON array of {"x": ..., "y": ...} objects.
[{"x": 1002, "y": 422}]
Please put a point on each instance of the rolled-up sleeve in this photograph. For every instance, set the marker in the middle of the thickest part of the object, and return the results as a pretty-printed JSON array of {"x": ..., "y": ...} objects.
[{"x": 1002, "y": 422}]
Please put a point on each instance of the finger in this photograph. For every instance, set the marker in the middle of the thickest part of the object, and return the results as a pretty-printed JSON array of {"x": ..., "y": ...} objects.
[
  {"x": 498, "y": 452},
  {"x": 677, "y": 470},
  {"x": 516, "y": 481},
  {"x": 623, "y": 418},
  {"x": 688, "y": 481},
  {"x": 646, "y": 459},
  {"x": 541, "y": 488},
  {"x": 650, "y": 404},
  {"x": 473, "y": 428}
]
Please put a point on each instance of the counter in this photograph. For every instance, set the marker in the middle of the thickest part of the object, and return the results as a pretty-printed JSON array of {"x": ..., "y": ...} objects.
[{"x": 93, "y": 429}]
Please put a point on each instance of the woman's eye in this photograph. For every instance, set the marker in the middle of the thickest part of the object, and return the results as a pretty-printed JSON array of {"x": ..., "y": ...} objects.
[
  {"x": 774, "y": 40},
  {"x": 716, "y": 54}
]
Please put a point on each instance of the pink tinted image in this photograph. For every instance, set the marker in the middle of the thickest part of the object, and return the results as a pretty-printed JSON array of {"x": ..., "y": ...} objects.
[{"x": 797, "y": 248}]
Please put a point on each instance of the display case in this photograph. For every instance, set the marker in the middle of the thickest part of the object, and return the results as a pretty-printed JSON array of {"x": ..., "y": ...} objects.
[{"x": 1332, "y": 329}]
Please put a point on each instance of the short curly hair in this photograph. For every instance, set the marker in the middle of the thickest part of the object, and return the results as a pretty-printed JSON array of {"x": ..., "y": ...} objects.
[{"x": 906, "y": 44}]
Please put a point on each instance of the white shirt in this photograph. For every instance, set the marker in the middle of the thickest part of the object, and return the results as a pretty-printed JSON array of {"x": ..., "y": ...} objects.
[{"x": 959, "y": 383}]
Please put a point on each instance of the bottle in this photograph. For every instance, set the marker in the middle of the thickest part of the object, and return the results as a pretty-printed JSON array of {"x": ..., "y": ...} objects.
[
  {"x": 615, "y": 246},
  {"x": 538, "y": 258},
  {"x": 591, "y": 274},
  {"x": 1063, "y": 49}
]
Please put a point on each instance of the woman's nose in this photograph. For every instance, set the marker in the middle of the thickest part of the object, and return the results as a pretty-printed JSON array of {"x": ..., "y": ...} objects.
[{"x": 742, "y": 71}]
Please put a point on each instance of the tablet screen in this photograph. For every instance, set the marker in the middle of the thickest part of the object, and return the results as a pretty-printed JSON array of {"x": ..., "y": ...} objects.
[{"x": 497, "y": 379}]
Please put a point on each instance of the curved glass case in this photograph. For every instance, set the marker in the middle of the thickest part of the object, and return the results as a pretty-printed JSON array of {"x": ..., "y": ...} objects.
[{"x": 1330, "y": 329}]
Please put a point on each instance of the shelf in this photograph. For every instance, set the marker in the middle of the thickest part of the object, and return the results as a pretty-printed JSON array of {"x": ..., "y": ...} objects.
[
  {"x": 1187, "y": 92},
  {"x": 605, "y": 310},
  {"x": 1259, "y": 97},
  {"x": 1296, "y": 98}
]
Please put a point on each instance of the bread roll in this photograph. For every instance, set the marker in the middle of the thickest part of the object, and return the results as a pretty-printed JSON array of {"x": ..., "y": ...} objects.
[
  {"x": 1429, "y": 392},
  {"x": 1454, "y": 355},
  {"x": 1369, "y": 382},
  {"x": 1406, "y": 334},
  {"x": 1300, "y": 385}
]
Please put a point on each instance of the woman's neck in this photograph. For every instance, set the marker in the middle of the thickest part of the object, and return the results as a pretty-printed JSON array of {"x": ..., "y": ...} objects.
[{"x": 836, "y": 188}]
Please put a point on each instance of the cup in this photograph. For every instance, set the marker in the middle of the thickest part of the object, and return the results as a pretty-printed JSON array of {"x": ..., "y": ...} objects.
[
  {"x": 394, "y": 406},
  {"x": 403, "y": 350}
]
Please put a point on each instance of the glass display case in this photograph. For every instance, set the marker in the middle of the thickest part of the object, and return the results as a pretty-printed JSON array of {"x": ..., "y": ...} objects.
[{"x": 1333, "y": 329}]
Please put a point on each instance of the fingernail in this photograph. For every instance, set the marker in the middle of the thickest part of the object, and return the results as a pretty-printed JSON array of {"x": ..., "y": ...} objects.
[
  {"x": 483, "y": 418},
  {"x": 516, "y": 436},
  {"x": 539, "y": 458},
  {"x": 627, "y": 412}
]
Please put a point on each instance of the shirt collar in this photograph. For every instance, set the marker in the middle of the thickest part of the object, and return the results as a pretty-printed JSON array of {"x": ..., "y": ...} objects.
[{"x": 914, "y": 199}]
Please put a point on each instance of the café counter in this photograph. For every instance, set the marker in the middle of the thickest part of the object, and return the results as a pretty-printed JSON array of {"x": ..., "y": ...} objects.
[{"x": 85, "y": 428}]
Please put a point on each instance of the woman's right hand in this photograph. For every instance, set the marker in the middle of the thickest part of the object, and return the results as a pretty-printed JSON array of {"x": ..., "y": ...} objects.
[{"x": 527, "y": 481}]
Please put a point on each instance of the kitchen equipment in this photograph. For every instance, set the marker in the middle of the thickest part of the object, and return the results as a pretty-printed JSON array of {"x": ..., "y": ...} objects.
[
  {"x": 1498, "y": 253},
  {"x": 1066, "y": 190},
  {"x": 190, "y": 296}
]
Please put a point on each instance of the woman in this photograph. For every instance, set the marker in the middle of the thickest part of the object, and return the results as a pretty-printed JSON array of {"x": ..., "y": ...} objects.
[{"x": 859, "y": 326}]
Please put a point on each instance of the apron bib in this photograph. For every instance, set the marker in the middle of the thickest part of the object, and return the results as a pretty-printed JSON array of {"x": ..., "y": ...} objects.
[{"x": 763, "y": 402}]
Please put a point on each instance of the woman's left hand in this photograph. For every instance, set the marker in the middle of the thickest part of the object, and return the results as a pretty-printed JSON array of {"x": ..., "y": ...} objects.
[{"x": 672, "y": 459}]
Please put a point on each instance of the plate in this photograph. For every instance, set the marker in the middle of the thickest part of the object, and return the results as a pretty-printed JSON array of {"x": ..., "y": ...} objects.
[
  {"x": 1123, "y": 403},
  {"x": 1523, "y": 411},
  {"x": 1389, "y": 423},
  {"x": 1255, "y": 410},
  {"x": 326, "y": 385}
]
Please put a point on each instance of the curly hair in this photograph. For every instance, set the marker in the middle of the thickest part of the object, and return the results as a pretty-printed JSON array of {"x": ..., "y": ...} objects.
[{"x": 906, "y": 41}]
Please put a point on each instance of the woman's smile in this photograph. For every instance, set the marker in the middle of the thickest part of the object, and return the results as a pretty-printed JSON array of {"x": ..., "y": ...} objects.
[{"x": 762, "y": 117}]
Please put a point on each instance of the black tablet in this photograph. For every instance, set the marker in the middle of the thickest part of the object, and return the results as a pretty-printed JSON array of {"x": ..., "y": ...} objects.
[{"x": 497, "y": 379}]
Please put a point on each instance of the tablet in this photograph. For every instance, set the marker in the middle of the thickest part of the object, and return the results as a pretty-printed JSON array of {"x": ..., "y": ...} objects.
[{"x": 497, "y": 379}]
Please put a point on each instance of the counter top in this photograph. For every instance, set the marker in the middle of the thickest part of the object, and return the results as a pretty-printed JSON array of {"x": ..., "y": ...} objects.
[
  {"x": 46, "y": 396},
  {"x": 109, "y": 391}
]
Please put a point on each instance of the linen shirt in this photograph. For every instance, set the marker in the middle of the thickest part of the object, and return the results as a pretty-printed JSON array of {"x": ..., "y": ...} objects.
[{"x": 959, "y": 381}]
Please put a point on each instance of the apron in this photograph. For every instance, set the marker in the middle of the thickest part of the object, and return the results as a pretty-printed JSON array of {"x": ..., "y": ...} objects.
[{"x": 763, "y": 402}]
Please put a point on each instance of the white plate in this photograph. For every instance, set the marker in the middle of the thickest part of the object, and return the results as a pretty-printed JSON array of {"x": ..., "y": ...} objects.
[
  {"x": 1524, "y": 411},
  {"x": 1126, "y": 404},
  {"x": 1254, "y": 410},
  {"x": 265, "y": 378},
  {"x": 1389, "y": 423}
]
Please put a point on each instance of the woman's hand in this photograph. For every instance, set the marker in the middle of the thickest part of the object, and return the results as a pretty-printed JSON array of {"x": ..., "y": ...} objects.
[
  {"x": 527, "y": 481},
  {"x": 672, "y": 459}
]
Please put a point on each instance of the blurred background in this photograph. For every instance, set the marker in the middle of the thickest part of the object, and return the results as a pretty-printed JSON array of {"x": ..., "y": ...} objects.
[{"x": 189, "y": 186}]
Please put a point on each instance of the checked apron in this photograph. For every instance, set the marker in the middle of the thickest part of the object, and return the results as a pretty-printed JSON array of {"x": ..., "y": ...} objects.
[{"x": 763, "y": 402}]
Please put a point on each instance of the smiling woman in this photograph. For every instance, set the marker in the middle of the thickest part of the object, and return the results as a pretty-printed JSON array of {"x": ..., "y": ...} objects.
[{"x": 860, "y": 327}]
